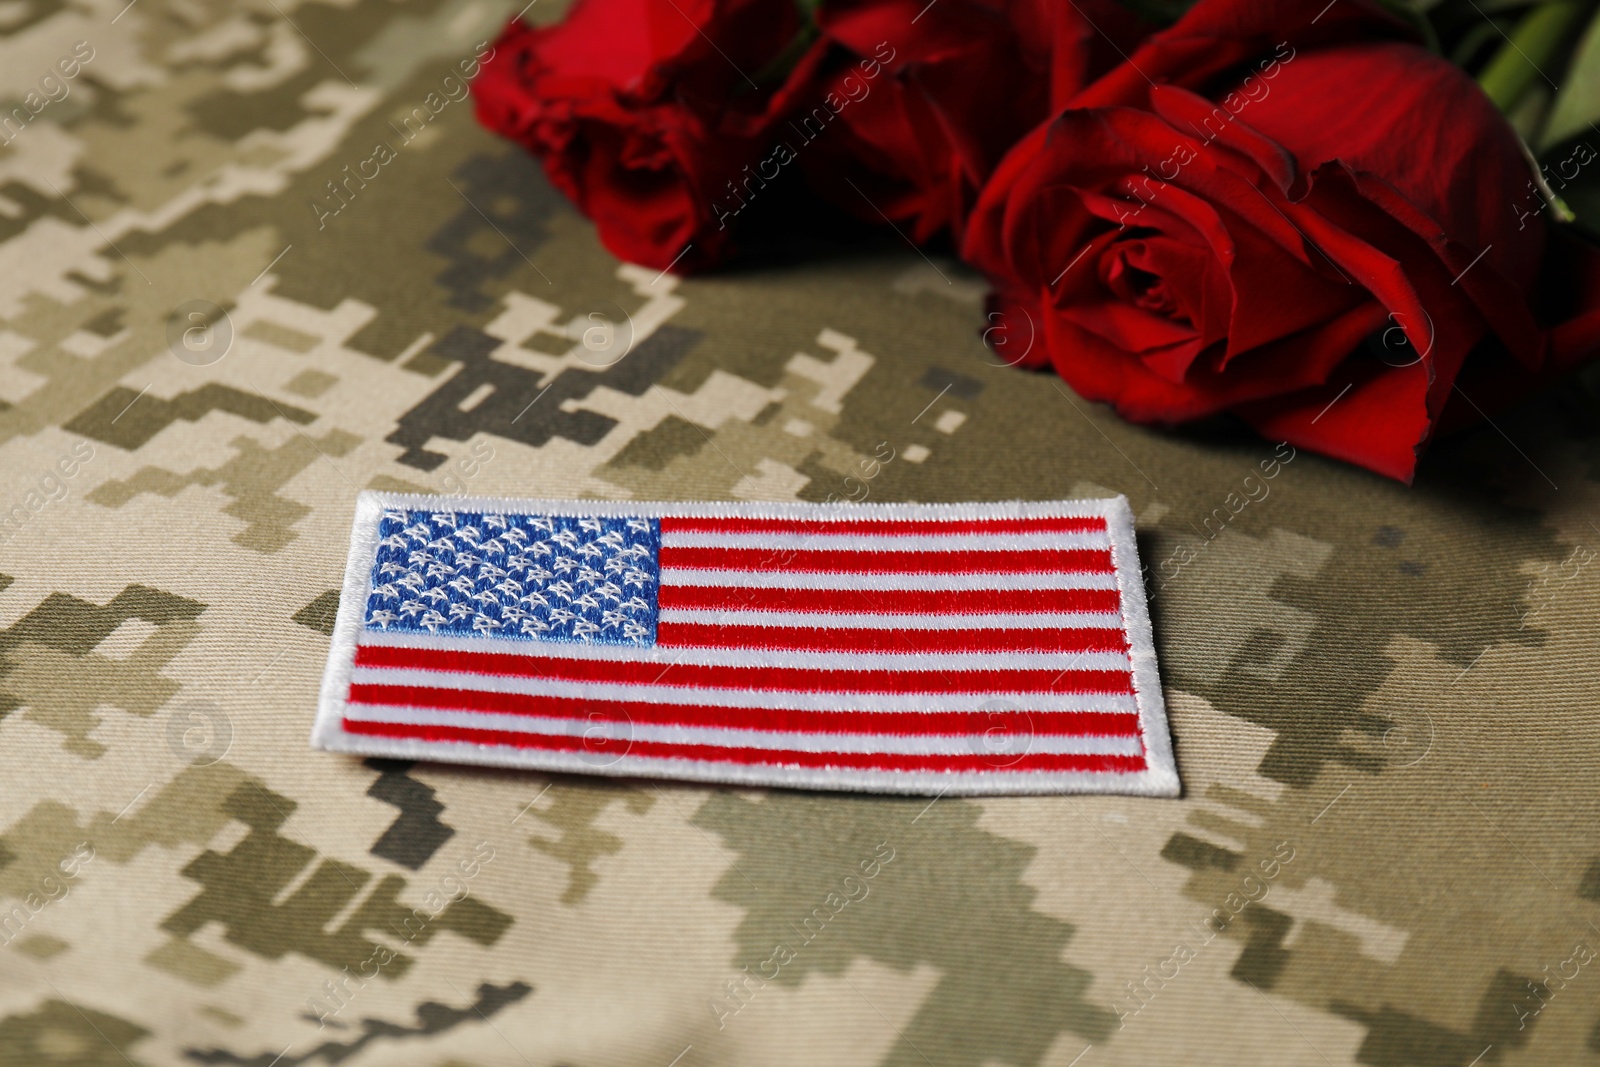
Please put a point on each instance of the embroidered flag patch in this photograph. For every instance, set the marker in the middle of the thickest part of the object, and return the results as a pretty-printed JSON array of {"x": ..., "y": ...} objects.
[{"x": 897, "y": 648}]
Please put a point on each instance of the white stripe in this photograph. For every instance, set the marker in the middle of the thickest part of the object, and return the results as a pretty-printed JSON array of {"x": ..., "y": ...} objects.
[
  {"x": 756, "y": 699},
  {"x": 951, "y": 542},
  {"x": 764, "y": 657},
  {"x": 742, "y": 510},
  {"x": 998, "y": 781},
  {"x": 827, "y": 580},
  {"x": 1043, "y": 620},
  {"x": 618, "y": 734}
]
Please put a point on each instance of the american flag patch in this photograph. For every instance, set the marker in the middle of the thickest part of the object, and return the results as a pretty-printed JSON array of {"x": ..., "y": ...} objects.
[{"x": 897, "y": 648}]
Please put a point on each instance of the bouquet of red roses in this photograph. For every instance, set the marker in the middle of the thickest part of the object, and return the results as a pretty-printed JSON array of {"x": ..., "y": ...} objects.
[{"x": 1323, "y": 218}]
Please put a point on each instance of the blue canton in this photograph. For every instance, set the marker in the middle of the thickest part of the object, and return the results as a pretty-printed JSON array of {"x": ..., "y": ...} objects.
[{"x": 529, "y": 577}]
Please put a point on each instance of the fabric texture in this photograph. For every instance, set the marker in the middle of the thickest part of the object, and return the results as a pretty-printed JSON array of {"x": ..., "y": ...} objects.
[{"x": 1382, "y": 699}]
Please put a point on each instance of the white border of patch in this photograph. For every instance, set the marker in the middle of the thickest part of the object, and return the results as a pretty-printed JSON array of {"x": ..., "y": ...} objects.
[{"x": 1159, "y": 778}]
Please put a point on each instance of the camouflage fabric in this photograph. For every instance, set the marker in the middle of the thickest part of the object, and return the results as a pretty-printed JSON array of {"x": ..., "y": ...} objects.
[{"x": 254, "y": 259}]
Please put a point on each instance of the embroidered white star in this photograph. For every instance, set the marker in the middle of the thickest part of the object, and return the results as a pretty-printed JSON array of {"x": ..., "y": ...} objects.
[{"x": 551, "y": 578}]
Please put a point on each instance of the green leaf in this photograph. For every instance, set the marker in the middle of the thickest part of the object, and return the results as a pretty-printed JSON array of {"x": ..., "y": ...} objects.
[
  {"x": 1539, "y": 37},
  {"x": 1577, "y": 104},
  {"x": 1527, "y": 115},
  {"x": 1473, "y": 40}
]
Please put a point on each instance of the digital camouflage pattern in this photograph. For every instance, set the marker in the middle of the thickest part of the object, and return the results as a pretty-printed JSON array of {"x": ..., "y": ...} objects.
[{"x": 1383, "y": 699}]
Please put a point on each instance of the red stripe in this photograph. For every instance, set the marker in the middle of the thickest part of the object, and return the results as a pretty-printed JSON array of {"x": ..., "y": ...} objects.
[
  {"x": 853, "y": 561},
  {"x": 906, "y": 527},
  {"x": 887, "y": 639},
  {"x": 807, "y": 679},
  {"x": 889, "y": 601},
  {"x": 1041, "y": 761},
  {"x": 788, "y": 720}
]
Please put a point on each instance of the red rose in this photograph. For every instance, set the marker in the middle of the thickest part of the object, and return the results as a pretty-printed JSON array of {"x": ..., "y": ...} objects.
[
  {"x": 927, "y": 98},
  {"x": 643, "y": 111},
  {"x": 1277, "y": 213}
]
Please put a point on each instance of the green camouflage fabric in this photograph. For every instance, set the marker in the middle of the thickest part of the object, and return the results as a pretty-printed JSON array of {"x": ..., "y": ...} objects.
[{"x": 256, "y": 258}]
